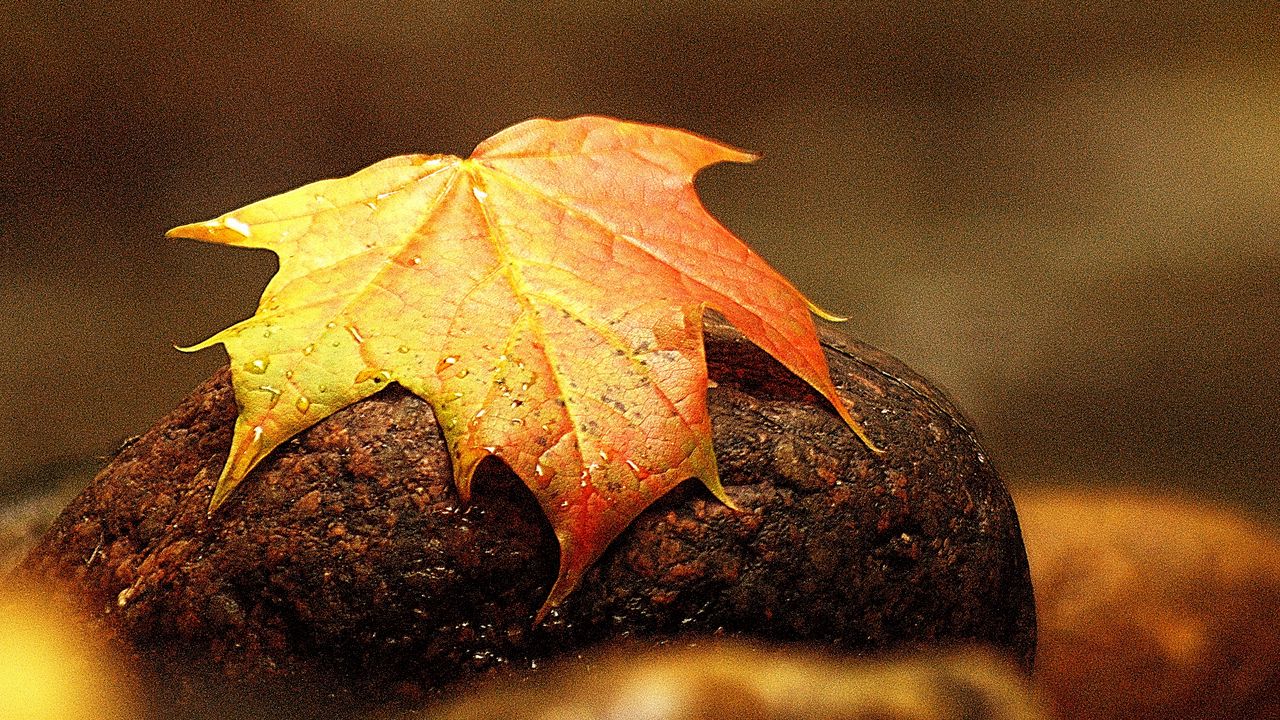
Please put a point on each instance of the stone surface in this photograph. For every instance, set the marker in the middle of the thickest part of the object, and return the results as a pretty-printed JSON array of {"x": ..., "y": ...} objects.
[
  {"x": 346, "y": 559},
  {"x": 1152, "y": 607}
]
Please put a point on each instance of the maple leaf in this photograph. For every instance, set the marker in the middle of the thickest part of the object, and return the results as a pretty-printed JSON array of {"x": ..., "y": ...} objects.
[{"x": 545, "y": 296}]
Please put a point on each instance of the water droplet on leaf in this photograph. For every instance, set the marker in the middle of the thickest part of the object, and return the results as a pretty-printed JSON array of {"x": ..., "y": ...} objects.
[
  {"x": 303, "y": 404},
  {"x": 237, "y": 226},
  {"x": 257, "y": 366},
  {"x": 373, "y": 374}
]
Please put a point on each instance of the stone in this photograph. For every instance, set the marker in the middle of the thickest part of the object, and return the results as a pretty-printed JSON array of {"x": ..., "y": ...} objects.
[
  {"x": 346, "y": 563},
  {"x": 733, "y": 681},
  {"x": 1152, "y": 606}
]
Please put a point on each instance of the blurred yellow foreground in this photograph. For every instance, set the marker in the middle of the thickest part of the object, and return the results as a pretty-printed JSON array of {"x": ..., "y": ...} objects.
[{"x": 50, "y": 669}]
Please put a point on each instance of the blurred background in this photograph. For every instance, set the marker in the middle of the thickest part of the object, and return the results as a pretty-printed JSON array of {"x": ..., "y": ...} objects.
[{"x": 1066, "y": 216}]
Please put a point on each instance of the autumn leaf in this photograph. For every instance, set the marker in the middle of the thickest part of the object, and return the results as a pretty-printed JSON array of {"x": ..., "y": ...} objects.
[{"x": 545, "y": 296}]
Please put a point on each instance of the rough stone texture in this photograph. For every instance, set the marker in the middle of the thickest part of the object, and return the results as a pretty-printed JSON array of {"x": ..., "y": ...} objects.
[
  {"x": 1153, "y": 607},
  {"x": 346, "y": 558}
]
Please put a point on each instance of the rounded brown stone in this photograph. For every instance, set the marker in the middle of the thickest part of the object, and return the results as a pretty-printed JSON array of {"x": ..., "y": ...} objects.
[
  {"x": 1153, "y": 607},
  {"x": 721, "y": 680},
  {"x": 346, "y": 558}
]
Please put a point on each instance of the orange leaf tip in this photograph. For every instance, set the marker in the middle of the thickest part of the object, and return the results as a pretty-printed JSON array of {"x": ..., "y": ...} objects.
[{"x": 226, "y": 227}]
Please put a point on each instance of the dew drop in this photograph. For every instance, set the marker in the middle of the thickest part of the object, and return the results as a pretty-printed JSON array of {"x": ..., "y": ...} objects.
[
  {"x": 490, "y": 449},
  {"x": 604, "y": 456},
  {"x": 634, "y": 467},
  {"x": 274, "y": 391},
  {"x": 303, "y": 404},
  {"x": 331, "y": 325},
  {"x": 463, "y": 372},
  {"x": 416, "y": 260},
  {"x": 355, "y": 333},
  {"x": 371, "y": 205},
  {"x": 446, "y": 362},
  {"x": 373, "y": 374},
  {"x": 237, "y": 226},
  {"x": 537, "y": 469},
  {"x": 564, "y": 504},
  {"x": 257, "y": 434},
  {"x": 403, "y": 349},
  {"x": 517, "y": 421},
  {"x": 480, "y": 194},
  {"x": 256, "y": 366},
  {"x": 308, "y": 349},
  {"x": 385, "y": 195},
  {"x": 288, "y": 374}
]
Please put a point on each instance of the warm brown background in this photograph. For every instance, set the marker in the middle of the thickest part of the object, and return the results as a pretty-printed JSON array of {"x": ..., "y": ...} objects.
[{"x": 1068, "y": 217}]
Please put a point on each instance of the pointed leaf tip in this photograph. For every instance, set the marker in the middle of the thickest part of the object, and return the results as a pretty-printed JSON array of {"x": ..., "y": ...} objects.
[
  {"x": 825, "y": 315},
  {"x": 224, "y": 229}
]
